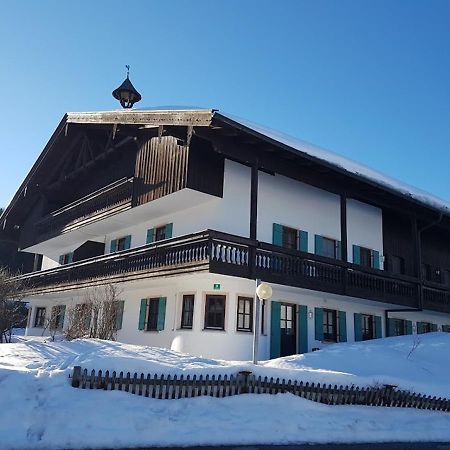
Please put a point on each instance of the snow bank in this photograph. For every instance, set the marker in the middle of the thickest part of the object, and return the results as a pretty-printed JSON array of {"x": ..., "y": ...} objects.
[{"x": 44, "y": 412}]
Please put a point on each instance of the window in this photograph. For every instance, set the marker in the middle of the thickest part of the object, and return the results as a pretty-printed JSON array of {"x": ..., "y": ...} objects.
[
  {"x": 365, "y": 257},
  {"x": 290, "y": 238},
  {"x": 187, "y": 311},
  {"x": 367, "y": 327},
  {"x": 123, "y": 243},
  {"x": 57, "y": 320},
  {"x": 152, "y": 314},
  {"x": 330, "y": 325},
  {"x": 426, "y": 272},
  {"x": 425, "y": 327},
  {"x": 330, "y": 248},
  {"x": 399, "y": 327},
  {"x": 159, "y": 233},
  {"x": 39, "y": 318},
  {"x": 118, "y": 314},
  {"x": 215, "y": 312},
  {"x": 396, "y": 264},
  {"x": 446, "y": 328},
  {"x": 287, "y": 319},
  {"x": 445, "y": 277},
  {"x": 66, "y": 258},
  {"x": 245, "y": 314}
]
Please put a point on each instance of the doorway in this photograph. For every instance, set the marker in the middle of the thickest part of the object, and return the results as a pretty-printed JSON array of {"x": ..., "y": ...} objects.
[{"x": 288, "y": 330}]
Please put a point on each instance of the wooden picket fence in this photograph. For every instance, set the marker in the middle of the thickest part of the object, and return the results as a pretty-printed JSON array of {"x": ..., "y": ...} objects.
[{"x": 175, "y": 387}]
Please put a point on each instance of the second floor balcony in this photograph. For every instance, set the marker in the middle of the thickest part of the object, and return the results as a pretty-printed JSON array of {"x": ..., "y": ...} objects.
[{"x": 221, "y": 253}]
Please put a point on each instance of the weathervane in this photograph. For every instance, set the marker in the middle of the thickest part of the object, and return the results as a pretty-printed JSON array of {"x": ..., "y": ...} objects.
[{"x": 126, "y": 93}]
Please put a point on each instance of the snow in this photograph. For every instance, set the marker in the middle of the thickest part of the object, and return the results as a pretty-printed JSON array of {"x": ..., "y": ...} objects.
[
  {"x": 40, "y": 410},
  {"x": 346, "y": 164}
]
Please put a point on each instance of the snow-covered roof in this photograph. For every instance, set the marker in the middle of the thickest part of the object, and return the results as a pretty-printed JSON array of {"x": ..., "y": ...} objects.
[{"x": 348, "y": 165}]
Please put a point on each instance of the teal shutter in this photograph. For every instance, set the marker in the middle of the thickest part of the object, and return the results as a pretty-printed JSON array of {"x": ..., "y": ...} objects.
[
  {"x": 434, "y": 327},
  {"x": 391, "y": 327},
  {"x": 375, "y": 259},
  {"x": 61, "y": 259},
  {"x": 169, "y": 229},
  {"x": 275, "y": 334},
  {"x": 318, "y": 245},
  {"x": 358, "y": 327},
  {"x": 303, "y": 331},
  {"x": 420, "y": 327},
  {"x": 150, "y": 233},
  {"x": 161, "y": 313},
  {"x": 408, "y": 326},
  {"x": 378, "y": 330},
  {"x": 356, "y": 254},
  {"x": 303, "y": 241},
  {"x": 127, "y": 242},
  {"x": 338, "y": 250},
  {"x": 277, "y": 234},
  {"x": 342, "y": 326},
  {"x": 70, "y": 258},
  {"x": 318, "y": 322},
  {"x": 143, "y": 314},
  {"x": 119, "y": 314},
  {"x": 113, "y": 246}
]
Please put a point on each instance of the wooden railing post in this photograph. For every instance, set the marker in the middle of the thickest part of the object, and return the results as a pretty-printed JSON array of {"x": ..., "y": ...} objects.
[{"x": 76, "y": 377}]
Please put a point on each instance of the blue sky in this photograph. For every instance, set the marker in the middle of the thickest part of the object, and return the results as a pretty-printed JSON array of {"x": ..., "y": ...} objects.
[{"x": 366, "y": 79}]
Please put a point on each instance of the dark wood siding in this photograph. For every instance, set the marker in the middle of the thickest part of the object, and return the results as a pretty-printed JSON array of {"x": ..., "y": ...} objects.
[
  {"x": 161, "y": 168},
  {"x": 436, "y": 252},
  {"x": 398, "y": 240},
  {"x": 206, "y": 168}
]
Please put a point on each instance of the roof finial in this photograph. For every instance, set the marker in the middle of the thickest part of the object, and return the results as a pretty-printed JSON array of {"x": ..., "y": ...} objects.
[{"x": 128, "y": 70}]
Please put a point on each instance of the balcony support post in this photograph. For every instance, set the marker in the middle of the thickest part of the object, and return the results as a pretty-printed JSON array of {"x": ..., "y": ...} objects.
[{"x": 253, "y": 218}]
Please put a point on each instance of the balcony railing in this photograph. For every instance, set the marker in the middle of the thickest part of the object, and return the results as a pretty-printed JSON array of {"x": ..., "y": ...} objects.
[
  {"x": 221, "y": 253},
  {"x": 109, "y": 200}
]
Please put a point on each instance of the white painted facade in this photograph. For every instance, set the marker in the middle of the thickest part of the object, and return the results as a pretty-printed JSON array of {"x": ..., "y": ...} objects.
[{"x": 280, "y": 200}]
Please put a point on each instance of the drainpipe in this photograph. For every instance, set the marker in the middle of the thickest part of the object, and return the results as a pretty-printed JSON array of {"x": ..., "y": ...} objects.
[{"x": 419, "y": 273}]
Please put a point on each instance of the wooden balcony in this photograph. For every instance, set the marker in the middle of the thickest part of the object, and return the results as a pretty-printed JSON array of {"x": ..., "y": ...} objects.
[
  {"x": 215, "y": 252},
  {"x": 105, "y": 202}
]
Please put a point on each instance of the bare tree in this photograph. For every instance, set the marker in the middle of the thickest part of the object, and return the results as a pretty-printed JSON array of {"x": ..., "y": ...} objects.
[
  {"x": 99, "y": 315},
  {"x": 13, "y": 311}
]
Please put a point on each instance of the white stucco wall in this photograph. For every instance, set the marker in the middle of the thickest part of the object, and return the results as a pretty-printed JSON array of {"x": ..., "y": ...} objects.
[
  {"x": 228, "y": 344},
  {"x": 297, "y": 205},
  {"x": 364, "y": 227}
]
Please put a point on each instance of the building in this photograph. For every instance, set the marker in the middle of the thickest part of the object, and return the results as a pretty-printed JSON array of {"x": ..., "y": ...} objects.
[{"x": 184, "y": 209}]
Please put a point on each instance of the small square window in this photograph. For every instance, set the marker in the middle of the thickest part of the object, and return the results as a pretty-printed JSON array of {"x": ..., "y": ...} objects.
[
  {"x": 290, "y": 237},
  {"x": 368, "y": 328},
  {"x": 160, "y": 233}
]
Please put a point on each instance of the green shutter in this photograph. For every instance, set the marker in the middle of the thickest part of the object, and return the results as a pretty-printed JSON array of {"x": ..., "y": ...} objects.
[
  {"x": 70, "y": 258},
  {"x": 275, "y": 332},
  {"x": 420, "y": 327},
  {"x": 119, "y": 314},
  {"x": 318, "y": 245},
  {"x": 358, "y": 327},
  {"x": 434, "y": 327},
  {"x": 127, "y": 242},
  {"x": 143, "y": 314},
  {"x": 356, "y": 254},
  {"x": 378, "y": 329},
  {"x": 303, "y": 241},
  {"x": 161, "y": 313},
  {"x": 277, "y": 234},
  {"x": 375, "y": 259},
  {"x": 342, "y": 326},
  {"x": 61, "y": 259},
  {"x": 338, "y": 250},
  {"x": 303, "y": 331},
  {"x": 150, "y": 233},
  {"x": 408, "y": 327},
  {"x": 169, "y": 230},
  {"x": 318, "y": 322},
  {"x": 391, "y": 327},
  {"x": 113, "y": 246}
]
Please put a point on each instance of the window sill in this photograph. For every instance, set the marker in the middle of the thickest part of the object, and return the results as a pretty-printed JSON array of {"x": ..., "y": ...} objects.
[
  {"x": 214, "y": 329},
  {"x": 244, "y": 331}
]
